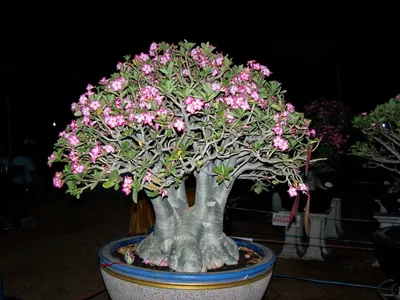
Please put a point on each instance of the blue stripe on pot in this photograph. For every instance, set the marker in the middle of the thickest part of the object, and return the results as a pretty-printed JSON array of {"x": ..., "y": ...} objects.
[{"x": 265, "y": 265}]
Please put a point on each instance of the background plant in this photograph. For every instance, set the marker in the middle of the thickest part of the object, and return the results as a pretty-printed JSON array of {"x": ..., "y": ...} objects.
[
  {"x": 381, "y": 131},
  {"x": 331, "y": 121}
]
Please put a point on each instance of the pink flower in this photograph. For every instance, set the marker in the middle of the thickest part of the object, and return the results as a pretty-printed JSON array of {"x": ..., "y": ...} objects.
[
  {"x": 94, "y": 104},
  {"x": 73, "y": 126},
  {"x": 161, "y": 112},
  {"x": 148, "y": 118},
  {"x": 245, "y": 75},
  {"x": 255, "y": 95},
  {"x": 83, "y": 99},
  {"x": 95, "y": 152},
  {"x": 215, "y": 86},
  {"x": 120, "y": 120},
  {"x": 148, "y": 176},
  {"x": 164, "y": 193},
  {"x": 144, "y": 57},
  {"x": 157, "y": 126},
  {"x": 164, "y": 59},
  {"x": 77, "y": 168},
  {"x": 265, "y": 71},
  {"x": 311, "y": 132},
  {"x": 204, "y": 63},
  {"x": 219, "y": 61},
  {"x": 117, "y": 84},
  {"x": 111, "y": 121},
  {"x": 104, "y": 81},
  {"x": 139, "y": 118},
  {"x": 280, "y": 143},
  {"x": 164, "y": 263},
  {"x": 108, "y": 148},
  {"x": 50, "y": 158},
  {"x": 179, "y": 124},
  {"x": 290, "y": 107},
  {"x": 256, "y": 66},
  {"x": 153, "y": 46},
  {"x": 57, "y": 181},
  {"x": 292, "y": 191},
  {"x": 303, "y": 187},
  {"x": 72, "y": 156},
  {"x": 73, "y": 140},
  {"x": 74, "y": 106},
  {"x": 277, "y": 130},
  {"x": 127, "y": 185},
  {"x": 185, "y": 72},
  {"x": 147, "y": 69},
  {"x": 229, "y": 118},
  {"x": 233, "y": 90}
]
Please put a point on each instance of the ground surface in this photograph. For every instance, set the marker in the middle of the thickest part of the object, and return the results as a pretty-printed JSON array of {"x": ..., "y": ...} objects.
[{"x": 58, "y": 258}]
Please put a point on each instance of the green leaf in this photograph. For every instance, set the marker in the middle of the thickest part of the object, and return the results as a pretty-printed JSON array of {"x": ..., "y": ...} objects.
[
  {"x": 292, "y": 142},
  {"x": 134, "y": 195},
  {"x": 207, "y": 89},
  {"x": 94, "y": 184},
  {"x": 108, "y": 184},
  {"x": 170, "y": 67},
  {"x": 257, "y": 188},
  {"x": 218, "y": 170},
  {"x": 113, "y": 175},
  {"x": 165, "y": 71},
  {"x": 276, "y": 107},
  {"x": 152, "y": 194}
]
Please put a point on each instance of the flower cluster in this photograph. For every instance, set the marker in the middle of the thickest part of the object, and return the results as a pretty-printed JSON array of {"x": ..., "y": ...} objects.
[
  {"x": 176, "y": 109},
  {"x": 330, "y": 121}
]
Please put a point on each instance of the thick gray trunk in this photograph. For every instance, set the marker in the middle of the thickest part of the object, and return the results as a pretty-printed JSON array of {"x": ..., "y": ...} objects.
[{"x": 191, "y": 241}]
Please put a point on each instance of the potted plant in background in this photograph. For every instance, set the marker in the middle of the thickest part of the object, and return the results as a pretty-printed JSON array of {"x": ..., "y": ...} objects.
[
  {"x": 331, "y": 123},
  {"x": 174, "y": 111},
  {"x": 380, "y": 149},
  {"x": 380, "y": 145}
]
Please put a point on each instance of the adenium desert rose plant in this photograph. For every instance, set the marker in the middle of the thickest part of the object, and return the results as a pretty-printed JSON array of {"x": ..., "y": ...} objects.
[
  {"x": 330, "y": 122},
  {"x": 381, "y": 129},
  {"x": 179, "y": 110}
]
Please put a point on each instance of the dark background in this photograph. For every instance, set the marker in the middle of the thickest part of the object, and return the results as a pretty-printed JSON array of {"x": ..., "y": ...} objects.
[{"x": 49, "y": 54}]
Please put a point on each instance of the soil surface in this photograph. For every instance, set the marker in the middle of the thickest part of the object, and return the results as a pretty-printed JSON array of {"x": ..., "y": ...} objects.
[
  {"x": 57, "y": 259},
  {"x": 247, "y": 257}
]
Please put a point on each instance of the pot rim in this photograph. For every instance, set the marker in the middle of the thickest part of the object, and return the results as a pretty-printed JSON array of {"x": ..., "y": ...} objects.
[{"x": 124, "y": 271}]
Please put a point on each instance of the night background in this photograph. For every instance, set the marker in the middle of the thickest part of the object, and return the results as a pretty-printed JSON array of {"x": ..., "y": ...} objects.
[
  {"x": 47, "y": 59},
  {"x": 49, "y": 54}
]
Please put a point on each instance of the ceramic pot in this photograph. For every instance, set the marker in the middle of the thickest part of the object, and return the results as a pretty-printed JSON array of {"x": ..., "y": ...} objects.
[{"x": 124, "y": 281}]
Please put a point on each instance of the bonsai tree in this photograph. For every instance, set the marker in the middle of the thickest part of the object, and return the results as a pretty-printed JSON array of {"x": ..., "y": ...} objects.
[
  {"x": 381, "y": 130},
  {"x": 179, "y": 110}
]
